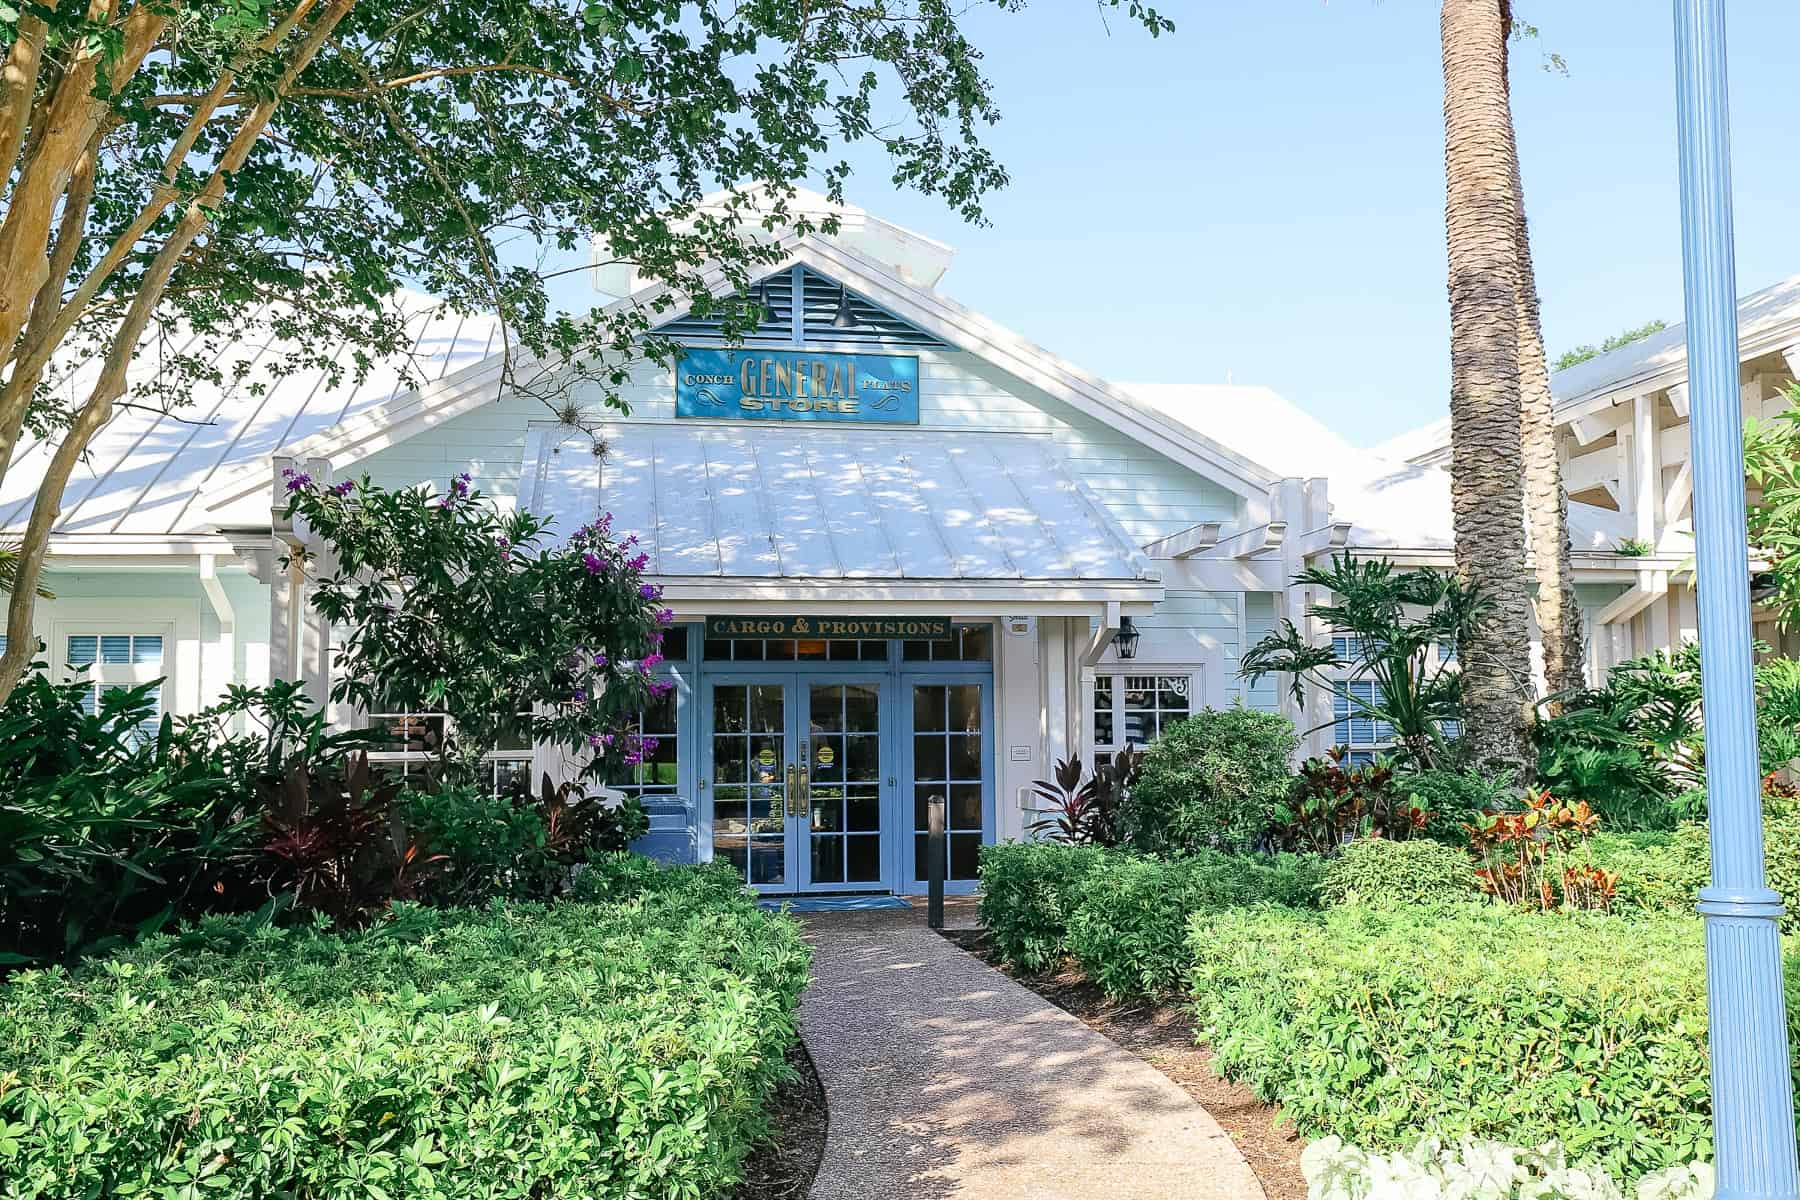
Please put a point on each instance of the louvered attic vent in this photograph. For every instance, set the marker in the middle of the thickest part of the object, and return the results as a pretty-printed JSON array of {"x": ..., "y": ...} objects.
[{"x": 875, "y": 326}]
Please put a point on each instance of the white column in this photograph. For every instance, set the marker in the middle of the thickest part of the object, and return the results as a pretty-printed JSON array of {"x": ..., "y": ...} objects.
[{"x": 1646, "y": 477}]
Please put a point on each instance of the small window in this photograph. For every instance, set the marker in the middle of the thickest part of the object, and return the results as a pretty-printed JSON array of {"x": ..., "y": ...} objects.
[
  {"x": 117, "y": 661},
  {"x": 1134, "y": 710},
  {"x": 416, "y": 739},
  {"x": 1353, "y": 726},
  {"x": 966, "y": 643},
  {"x": 658, "y": 773},
  {"x": 806, "y": 650}
]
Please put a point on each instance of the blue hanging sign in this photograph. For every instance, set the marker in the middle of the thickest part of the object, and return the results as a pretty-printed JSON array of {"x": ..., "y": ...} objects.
[{"x": 749, "y": 384}]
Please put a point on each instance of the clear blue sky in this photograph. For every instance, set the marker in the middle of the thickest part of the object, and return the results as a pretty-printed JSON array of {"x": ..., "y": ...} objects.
[{"x": 1260, "y": 194}]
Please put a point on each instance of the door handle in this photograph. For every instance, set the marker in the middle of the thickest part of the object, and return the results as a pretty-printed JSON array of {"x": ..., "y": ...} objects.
[{"x": 799, "y": 792}]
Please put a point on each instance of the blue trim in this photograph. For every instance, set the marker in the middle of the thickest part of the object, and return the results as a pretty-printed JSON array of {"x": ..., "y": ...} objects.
[
  {"x": 894, "y": 677},
  {"x": 912, "y": 879}
]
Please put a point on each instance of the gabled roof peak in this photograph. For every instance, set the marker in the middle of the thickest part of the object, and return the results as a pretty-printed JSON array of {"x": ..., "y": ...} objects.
[{"x": 914, "y": 257}]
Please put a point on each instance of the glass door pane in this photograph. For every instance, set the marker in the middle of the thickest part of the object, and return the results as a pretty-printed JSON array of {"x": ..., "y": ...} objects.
[
  {"x": 750, "y": 763},
  {"x": 843, "y": 832},
  {"x": 948, "y": 758}
]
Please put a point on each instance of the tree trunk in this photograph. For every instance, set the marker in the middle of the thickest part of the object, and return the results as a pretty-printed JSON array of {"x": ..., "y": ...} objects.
[
  {"x": 97, "y": 410},
  {"x": 1481, "y": 217},
  {"x": 1546, "y": 503}
]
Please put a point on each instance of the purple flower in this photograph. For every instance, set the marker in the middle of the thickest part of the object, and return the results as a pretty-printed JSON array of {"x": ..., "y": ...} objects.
[
  {"x": 665, "y": 616},
  {"x": 649, "y": 745},
  {"x": 648, "y": 592},
  {"x": 661, "y": 687},
  {"x": 593, "y": 739},
  {"x": 581, "y": 695},
  {"x": 651, "y": 659},
  {"x": 638, "y": 564},
  {"x": 633, "y": 758},
  {"x": 344, "y": 488},
  {"x": 298, "y": 480},
  {"x": 592, "y": 562},
  {"x": 632, "y": 540},
  {"x": 600, "y": 660}
]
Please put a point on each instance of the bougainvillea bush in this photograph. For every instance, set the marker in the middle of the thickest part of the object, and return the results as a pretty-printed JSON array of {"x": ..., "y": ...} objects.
[
  {"x": 447, "y": 603},
  {"x": 618, "y": 1049},
  {"x": 1384, "y": 1025}
]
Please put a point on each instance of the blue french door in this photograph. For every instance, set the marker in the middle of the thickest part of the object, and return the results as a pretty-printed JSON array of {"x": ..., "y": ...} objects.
[
  {"x": 949, "y": 753},
  {"x": 799, "y": 780}
]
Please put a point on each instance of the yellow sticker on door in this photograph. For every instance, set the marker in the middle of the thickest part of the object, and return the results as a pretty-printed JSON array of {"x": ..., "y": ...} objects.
[{"x": 827, "y": 756}]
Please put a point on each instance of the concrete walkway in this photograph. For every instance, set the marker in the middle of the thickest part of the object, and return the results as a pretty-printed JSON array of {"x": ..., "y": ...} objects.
[{"x": 945, "y": 1078}]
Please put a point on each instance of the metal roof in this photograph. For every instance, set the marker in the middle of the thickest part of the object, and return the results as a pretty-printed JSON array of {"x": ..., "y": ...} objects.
[
  {"x": 793, "y": 502},
  {"x": 145, "y": 469}
]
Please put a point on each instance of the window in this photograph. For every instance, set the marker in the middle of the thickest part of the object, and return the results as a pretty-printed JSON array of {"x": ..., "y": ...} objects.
[
  {"x": 966, "y": 643},
  {"x": 804, "y": 650},
  {"x": 657, "y": 774},
  {"x": 415, "y": 740},
  {"x": 1364, "y": 735},
  {"x": 1133, "y": 710},
  {"x": 115, "y": 661}
]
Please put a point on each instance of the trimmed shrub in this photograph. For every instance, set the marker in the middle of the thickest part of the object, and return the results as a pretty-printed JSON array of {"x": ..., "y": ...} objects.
[
  {"x": 1385, "y": 1025},
  {"x": 1454, "y": 799},
  {"x": 618, "y": 1050},
  {"x": 1664, "y": 873},
  {"x": 1028, "y": 890},
  {"x": 1658, "y": 872},
  {"x": 1378, "y": 871},
  {"x": 1130, "y": 927},
  {"x": 1213, "y": 781}
]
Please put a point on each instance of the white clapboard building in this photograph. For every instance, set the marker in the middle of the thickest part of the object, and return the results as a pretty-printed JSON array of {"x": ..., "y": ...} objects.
[{"x": 912, "y": 554}]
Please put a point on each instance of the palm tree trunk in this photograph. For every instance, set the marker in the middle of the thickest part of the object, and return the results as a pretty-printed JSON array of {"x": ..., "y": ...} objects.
[
  {"x": 1481, "y": 218},
  {"x": 1546, "y": 503}
]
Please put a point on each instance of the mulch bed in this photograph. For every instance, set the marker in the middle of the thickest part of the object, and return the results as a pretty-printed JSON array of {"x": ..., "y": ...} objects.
[
  {"x": 782, "y": 1168},
  {"x": 1163, "y": 1036}
]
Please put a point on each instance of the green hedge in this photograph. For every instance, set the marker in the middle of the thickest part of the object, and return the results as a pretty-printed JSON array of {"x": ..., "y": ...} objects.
[
  {"x": 1130, "y": 927},
  {"x": 584, "y": 1050},
  {"x": 1379, "y": 871},
  {"x": 1382, "y": 1026},
  {"x": 1215, "y": 780},
  {"x": 1028, "y": 890}
]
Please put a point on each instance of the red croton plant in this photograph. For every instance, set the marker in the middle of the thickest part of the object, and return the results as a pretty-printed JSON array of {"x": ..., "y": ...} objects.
[{"x": 1537, "y": 857}]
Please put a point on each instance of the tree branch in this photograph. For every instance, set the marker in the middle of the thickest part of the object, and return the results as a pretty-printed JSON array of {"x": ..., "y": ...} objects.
[
  {"x": 97, "y": 411},
  {"x": 18, "y": 87}
]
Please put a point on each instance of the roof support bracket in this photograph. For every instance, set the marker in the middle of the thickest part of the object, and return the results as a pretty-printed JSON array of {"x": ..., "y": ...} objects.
[{"x": 1102, "y": 636}]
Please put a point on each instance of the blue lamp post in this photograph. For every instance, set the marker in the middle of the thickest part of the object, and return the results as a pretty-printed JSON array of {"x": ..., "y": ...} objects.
[{"x": 1753, "y": 1103}]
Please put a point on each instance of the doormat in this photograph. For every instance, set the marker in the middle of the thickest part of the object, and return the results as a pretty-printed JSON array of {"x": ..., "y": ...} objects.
[{"x": 830, "y": 903}]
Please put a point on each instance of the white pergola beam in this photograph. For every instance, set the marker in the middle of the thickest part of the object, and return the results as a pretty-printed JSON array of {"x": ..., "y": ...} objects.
[
  {"x": 1678, "y": 399},
  {"x": 1187, "y": 543},
  {"x": 1318, "y": 541},
  {"x": 1251, "y": 541}
]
